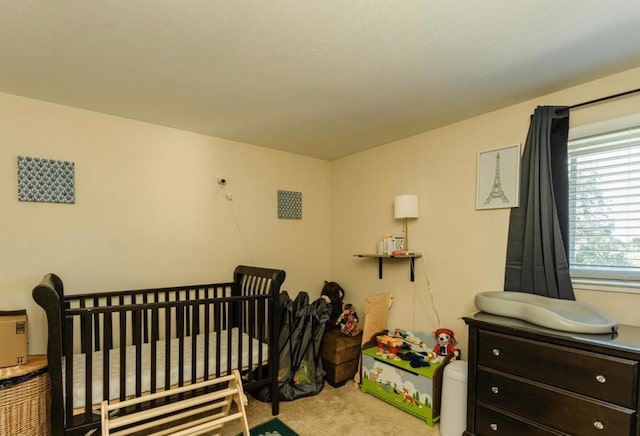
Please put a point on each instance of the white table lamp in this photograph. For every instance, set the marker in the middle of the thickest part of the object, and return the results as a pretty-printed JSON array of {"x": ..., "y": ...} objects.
[{"x": 405, "y": 207}]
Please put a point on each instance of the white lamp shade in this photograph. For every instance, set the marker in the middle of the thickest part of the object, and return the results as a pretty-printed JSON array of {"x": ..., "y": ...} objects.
[{"x": 406, "y": 206}]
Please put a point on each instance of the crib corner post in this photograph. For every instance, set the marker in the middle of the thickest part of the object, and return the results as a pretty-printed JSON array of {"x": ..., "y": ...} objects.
[
  {"x": 274, "y": 354},
  {"x": 274, "y": 347},
  {"x": 49, "y": 295}
]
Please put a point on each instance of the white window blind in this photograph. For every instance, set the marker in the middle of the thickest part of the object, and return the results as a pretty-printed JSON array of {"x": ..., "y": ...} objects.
[{"x": 604, "y": 205}]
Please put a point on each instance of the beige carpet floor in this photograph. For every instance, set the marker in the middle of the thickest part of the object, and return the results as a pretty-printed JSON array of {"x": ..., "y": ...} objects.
[{"x": 337, "y": 411}]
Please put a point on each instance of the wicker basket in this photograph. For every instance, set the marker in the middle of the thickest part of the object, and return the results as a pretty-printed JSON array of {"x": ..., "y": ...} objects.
[{"x": 25, "y": 398}]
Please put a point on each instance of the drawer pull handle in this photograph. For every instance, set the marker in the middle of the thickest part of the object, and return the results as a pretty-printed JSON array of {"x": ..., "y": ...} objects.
[
  {"x": 598, "y": 425},
  {"x": 495, "y": 352},
  {"x": 493, "y": 427},
  {"x": 495, "y": 389},
  {"x": 601, "y": 378}
]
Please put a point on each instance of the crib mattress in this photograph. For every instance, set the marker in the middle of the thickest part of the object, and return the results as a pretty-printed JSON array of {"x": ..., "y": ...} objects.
[{"x": 79, "y": 363}]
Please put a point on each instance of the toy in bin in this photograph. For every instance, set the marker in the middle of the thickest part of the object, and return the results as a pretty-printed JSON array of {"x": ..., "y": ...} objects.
[{"x": 390, "y": 345}]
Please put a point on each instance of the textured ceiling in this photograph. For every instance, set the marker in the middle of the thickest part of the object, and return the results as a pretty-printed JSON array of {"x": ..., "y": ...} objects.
[{"x": 323, "y": 78}]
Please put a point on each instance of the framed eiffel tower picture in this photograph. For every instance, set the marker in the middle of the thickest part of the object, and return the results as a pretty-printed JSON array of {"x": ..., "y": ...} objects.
[{"x": 498, "y": 178}]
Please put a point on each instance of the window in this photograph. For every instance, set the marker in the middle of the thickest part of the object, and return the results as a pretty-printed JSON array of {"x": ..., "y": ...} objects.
[{"x": 604, "y": 204}]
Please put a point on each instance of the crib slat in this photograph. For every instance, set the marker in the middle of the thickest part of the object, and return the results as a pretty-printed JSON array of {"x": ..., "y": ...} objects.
[
  {"x": 187, "y": 297},
  {"x": 88, "y": 368},
  {"x": 123, "y": 355},
  {"x": 180, "y": 331},
  {"x": 240, "y": 331},
  {"x": 108, "y": 327},
  {"x": 194, "y": 340},
  {"x": 154, "y": 348},
  {"x": 145, "y": 323},
  {"x": 83, "y": 328},
  {"x": 136, "y": 319},
  {"x": 229, "y": 348},
  {"x": 96, "y": 325},
  {"x": 207, "y": 336},
  {"x": 167, "y": 344},
  {"x": 134, "y": 324},
  {"x": 255, "y": 356},
  {"x": 155, "y": 325},
  {"x": 218, "y": 329},
  {"x": 68, "y": 368},
  {"x": 108, "y": 346},
  {"x": 225, "y": 320}
]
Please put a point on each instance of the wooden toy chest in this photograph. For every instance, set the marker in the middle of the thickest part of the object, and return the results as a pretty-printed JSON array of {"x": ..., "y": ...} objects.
[
  {"x": 340, "y": 356},
  {"x": 414, "y": 390}
]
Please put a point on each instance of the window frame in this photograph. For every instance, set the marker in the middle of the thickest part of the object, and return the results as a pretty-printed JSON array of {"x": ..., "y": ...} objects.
[{"x": 593, "y": 279}]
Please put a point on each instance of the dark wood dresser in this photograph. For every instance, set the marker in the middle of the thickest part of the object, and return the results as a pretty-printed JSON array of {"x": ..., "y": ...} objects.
[{"x": 530, "y": 380}]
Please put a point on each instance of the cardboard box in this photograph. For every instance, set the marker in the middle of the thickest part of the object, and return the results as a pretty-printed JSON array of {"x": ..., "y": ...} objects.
[{"x": 13, "y": 338}]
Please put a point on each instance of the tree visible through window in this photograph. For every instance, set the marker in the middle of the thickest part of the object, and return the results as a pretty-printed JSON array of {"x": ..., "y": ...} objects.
[{"x": 604, "y": 205}]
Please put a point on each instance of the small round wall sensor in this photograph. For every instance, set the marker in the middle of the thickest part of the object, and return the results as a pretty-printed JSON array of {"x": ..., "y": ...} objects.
[{"x": 222, "y": 180}]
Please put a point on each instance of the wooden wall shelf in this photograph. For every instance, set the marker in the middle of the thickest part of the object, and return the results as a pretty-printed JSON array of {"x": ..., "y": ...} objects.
[{"x": 411, "y": 256}]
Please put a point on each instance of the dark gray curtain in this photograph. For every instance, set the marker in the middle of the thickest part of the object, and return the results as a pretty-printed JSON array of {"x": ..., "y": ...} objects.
[{"x": 537, "y": 245}]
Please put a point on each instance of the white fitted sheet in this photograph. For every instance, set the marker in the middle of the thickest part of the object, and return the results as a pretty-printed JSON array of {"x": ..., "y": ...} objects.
[{"x": 114, "y": 365}]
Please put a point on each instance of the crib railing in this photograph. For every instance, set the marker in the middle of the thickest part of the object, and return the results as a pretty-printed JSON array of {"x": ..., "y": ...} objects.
[
  {"x": 158, "y": 325},
  {"x": 102, "y": 322},
  {"x": 106, "y": 325}
]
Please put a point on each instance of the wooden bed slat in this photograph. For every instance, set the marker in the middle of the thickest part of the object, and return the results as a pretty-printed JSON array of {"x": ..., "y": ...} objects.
[{"x": 147, "y": 419}]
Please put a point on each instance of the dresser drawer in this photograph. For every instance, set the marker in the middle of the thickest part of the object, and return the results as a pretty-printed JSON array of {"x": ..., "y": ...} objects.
[
  {"x": 551, "y": 406},
  {"x": 492, "y": 422},
  {"x": 603, "y": 377}
]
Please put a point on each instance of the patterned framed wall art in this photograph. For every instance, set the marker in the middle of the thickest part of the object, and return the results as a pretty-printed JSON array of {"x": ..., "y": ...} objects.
[
  {"x": 289, "y": 205},
  {"x": 46, "y": 180}
]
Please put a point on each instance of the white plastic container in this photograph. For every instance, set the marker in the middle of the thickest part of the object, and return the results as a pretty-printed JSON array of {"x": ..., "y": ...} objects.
[
  {"x": 388, "y": 245},
  {"x": 453, "y": 410}
]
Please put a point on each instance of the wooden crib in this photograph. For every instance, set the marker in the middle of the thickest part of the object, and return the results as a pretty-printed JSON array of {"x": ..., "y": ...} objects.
[{"x": 155, "y": 340}]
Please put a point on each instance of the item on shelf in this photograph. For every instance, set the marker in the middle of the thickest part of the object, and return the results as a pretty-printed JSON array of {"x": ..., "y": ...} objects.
[
  {"x": 398, "y": 244},
  {"x": 389, "y": 245}
]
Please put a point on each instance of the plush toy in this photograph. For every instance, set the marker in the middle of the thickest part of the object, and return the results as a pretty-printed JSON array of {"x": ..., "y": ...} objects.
[
  {"x": 333, "y": 294},
  {"x": 348, "y": 321},
  {"x": 446, "y": 343}
]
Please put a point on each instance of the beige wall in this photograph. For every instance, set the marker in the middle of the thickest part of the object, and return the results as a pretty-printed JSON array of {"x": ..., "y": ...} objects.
[
  {"x": 463, "y": 248},
  {"x": 148, "y": 211}
]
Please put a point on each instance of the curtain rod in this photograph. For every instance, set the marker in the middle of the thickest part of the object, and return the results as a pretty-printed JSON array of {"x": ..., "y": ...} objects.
[{"x": 609, "y": 97}]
